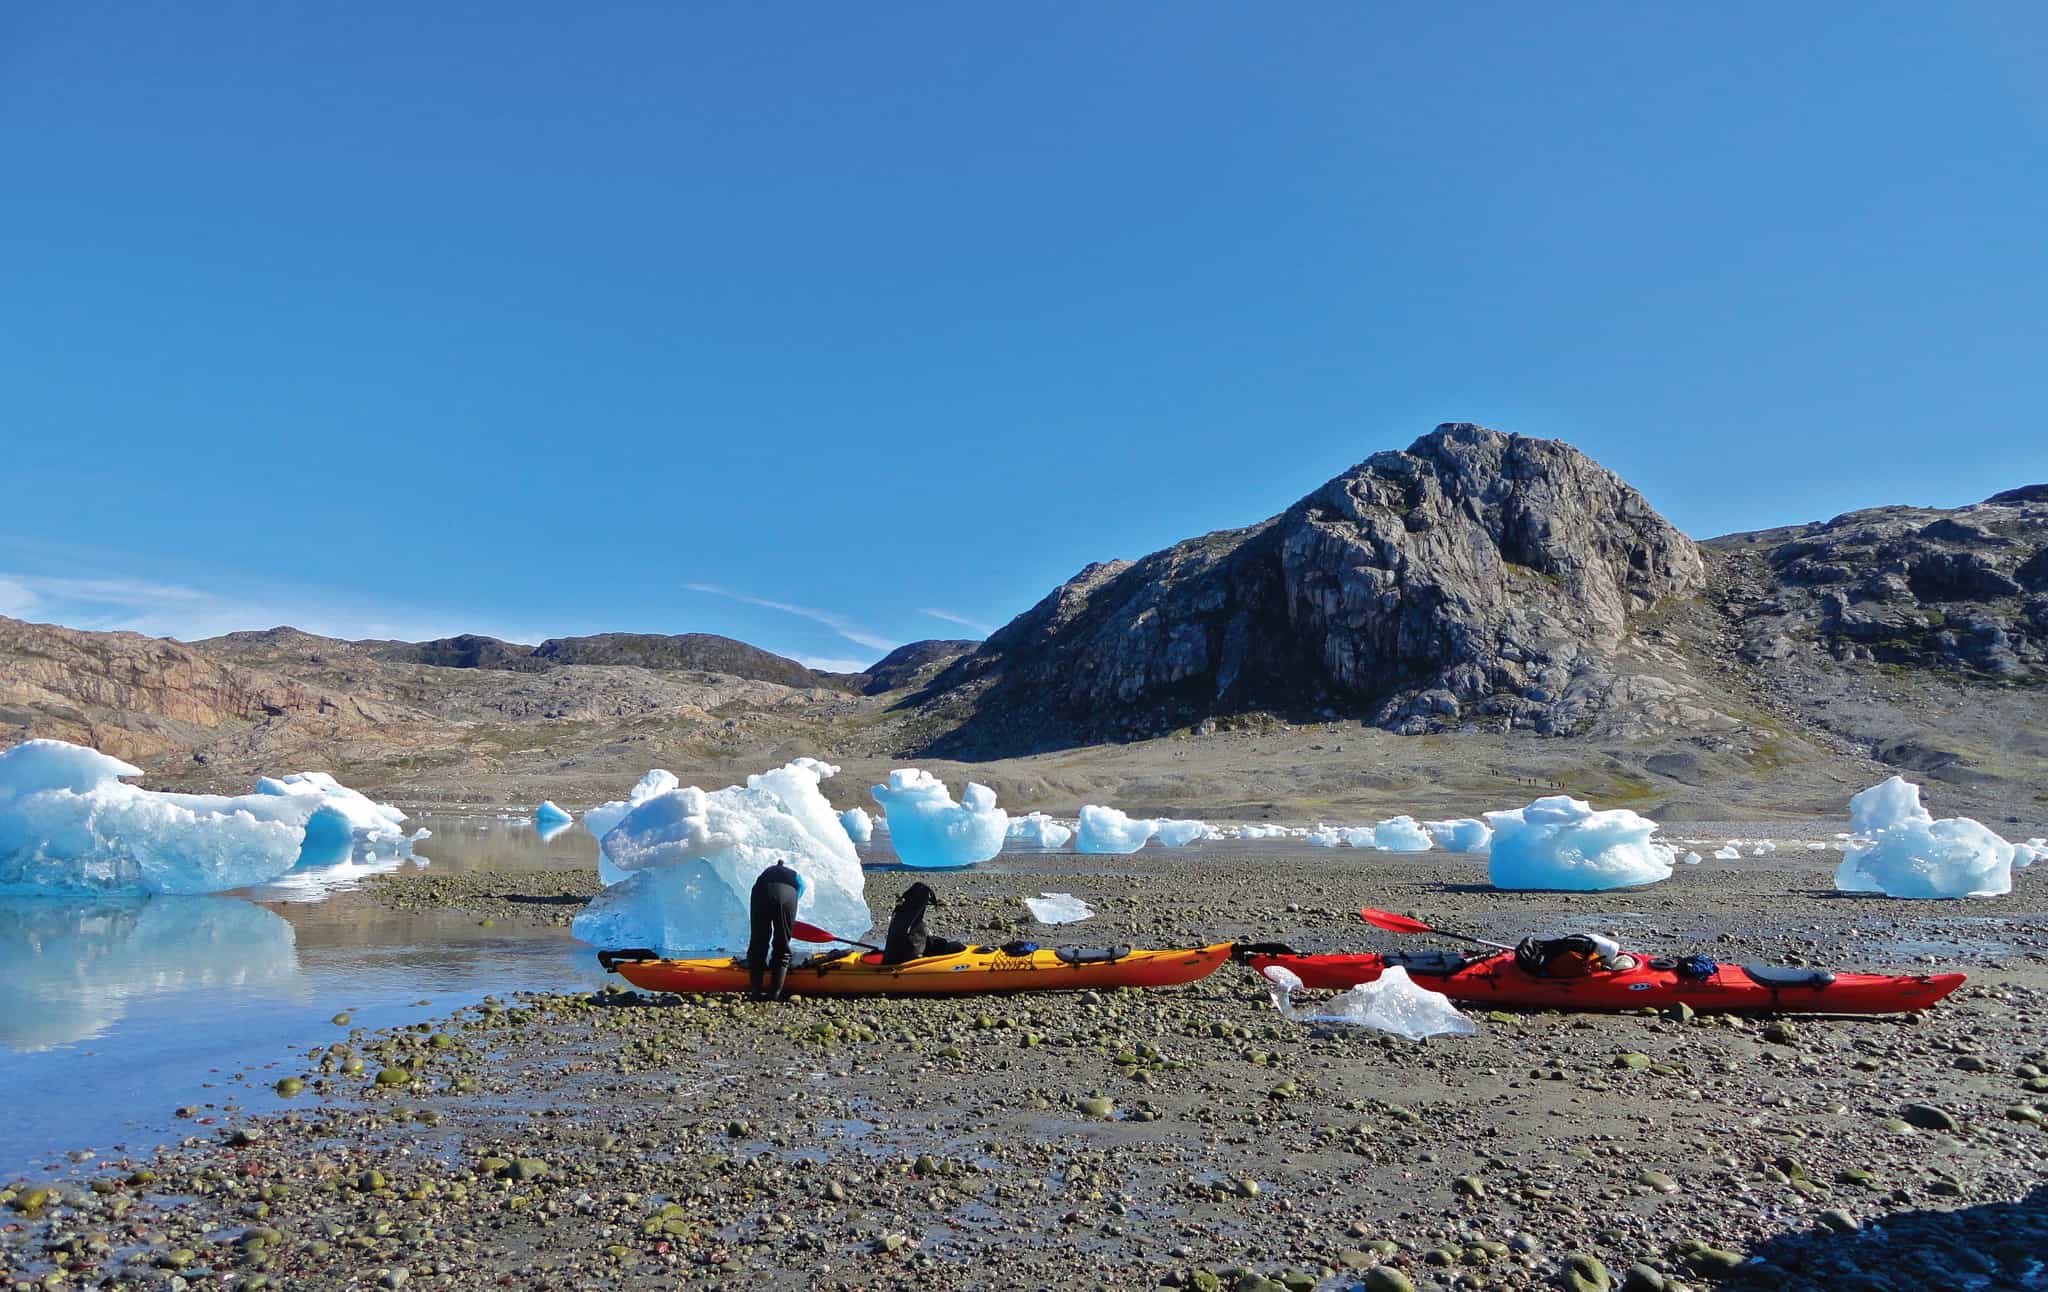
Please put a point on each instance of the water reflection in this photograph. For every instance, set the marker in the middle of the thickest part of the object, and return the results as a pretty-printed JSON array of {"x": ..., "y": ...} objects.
[{"x": 69, "y": 970}]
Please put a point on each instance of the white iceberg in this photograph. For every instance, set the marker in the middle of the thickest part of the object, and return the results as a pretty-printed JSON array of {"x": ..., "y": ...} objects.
[
  {"x": 69, "y": 824},
  {"x": 2026, "y": 854},
  {"x": 1460, "y": 834},
  {"x": 1037, "y": 830},
  {"x": 1727, "y": 852},
  {"x": 1691, "y": 859},
  {"x": 1560, "y": 842},
  {"x": 1327, "y": 838},
  {"x": 932, "y": 832},
  {"x": 690, "y": 859},
  {"x": 1178, "y": 834},
  {"x": 605, "y": 817},
  {"x": 69, "y": 970},
  {"x": 1105, "y": 830},
  {"x": 1900, "y": 849},
  {"x": 1401, "y": 834},
  {"x": 1390, "y": 1003},
  {"x": 1058, "y": 908},
  {"x": 859, "y": 826},
  {"x": 1264, "y": 832}
]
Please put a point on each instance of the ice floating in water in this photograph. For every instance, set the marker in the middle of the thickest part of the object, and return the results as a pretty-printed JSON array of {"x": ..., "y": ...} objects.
[
  {"x": 70, "y": 824},
  {"x": 1560, "y": 842},
  {"x": 859, "y": 826},
  {"x": 548, "y": 814},
  {"x": 1460, "y": 834},
  {"x": 69, "y": 970},
  {"x": 1900, "y": 850},
  {"x": 690, "y": 859},
  {"x": 1037, "y": 830},
  {"x": 1401, "y": 834},
  {"x": 932, "y": 832},
  {"x": 1266, "y": 832},
  {"x": 1058, "y": 908},
  {"x": 1178, "y": 834},
  {"x": 1105, "y": 830},
  {"x": 1390, "y": 1003}
]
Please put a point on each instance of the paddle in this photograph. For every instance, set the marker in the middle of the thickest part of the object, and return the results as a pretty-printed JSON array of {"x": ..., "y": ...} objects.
[
  {"x": 812, "y": 933},
  {"x": 1402, "y": 924}
]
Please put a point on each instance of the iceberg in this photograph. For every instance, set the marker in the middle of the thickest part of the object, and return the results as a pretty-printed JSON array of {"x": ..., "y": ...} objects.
[
  {"x": 547, "y": 814},
  {"x": 1899, "y": 849},
  {"x": 1104, "y": 830},
  {"x": 602, "y": 819},
  {"x": 1037, "y": 830},
  {"x": 1460, "y": 834},
  {"x": 69, "y": 970},
  {"x": 1560, "y": 842},
  {"x": 859, "y": 826},
  {"x": 932, "y": 832},
  {"x": 1264, "y": 832},
  {"x": 1727, "y": 852},
  {"x": 689, "y": 859},
  {"x": 1178, "y": 834},
  {"x": 1058, "y": 908},
  {"x": 1327, "y": 838},
  {"x": 1401, "y": 834},
  {"x": 1390, "y": 1003},
  {"x": 2026, "y": 854},
  {"x": 1691, "y": 859},
  {"x": 70, "y": 824}
]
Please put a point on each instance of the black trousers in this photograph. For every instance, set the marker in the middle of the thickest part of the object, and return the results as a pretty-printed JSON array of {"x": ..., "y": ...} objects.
[{"x": 772, "y": 909}]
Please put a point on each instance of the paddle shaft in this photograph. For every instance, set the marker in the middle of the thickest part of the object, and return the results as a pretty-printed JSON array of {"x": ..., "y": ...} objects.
[{"x": 812, "y": 933}]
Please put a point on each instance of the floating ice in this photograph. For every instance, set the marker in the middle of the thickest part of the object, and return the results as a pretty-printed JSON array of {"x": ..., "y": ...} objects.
[
  {"x": 1400, "y": 834},
  {"x": 690, "y": 860},
  {"x": 69, "y": 824},
  {"x": 1037, "y": 830},
  {"x": 1728, "y": 852},
  {"x": 1178, "y": 834},
  {"x": 1264, "y": 832},
  {"x": 860, "y": 827},
  {"x": 1058, "y": 908},
  {"x": 71, "y": 969},
  {"x": 1106, "y": 830},
  {"x": 932, "y": 832},
  {"x": 1460, "y": 834},
  {"x": 1327, "y": 838},
  {"x": 547, "y": 814},
  {"x": 1900, "y": 850},
  {"x": 1390, "y": 1003},
  {"x": 1560, "y": 842}
]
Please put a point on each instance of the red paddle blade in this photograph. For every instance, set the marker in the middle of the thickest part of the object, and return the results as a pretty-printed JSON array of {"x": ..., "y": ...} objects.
[
  {"x": 1393, "y": 923},
  {"x": 812, "y": 933}
]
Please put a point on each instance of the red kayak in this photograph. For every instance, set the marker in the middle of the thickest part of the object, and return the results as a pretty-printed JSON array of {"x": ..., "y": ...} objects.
[{"x": 1499, "y": 980}]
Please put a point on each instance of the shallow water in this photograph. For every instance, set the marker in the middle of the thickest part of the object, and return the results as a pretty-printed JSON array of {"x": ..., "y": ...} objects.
[{"x": 113, "y": 1013}]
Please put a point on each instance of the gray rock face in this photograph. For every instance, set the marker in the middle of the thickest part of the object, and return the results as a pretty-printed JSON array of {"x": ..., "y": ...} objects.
[
  {"x": 1475, "y": 574},
  {"x": 1963, "y": 591}
]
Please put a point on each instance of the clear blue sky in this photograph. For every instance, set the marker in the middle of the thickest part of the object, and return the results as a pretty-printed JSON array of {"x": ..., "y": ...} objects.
[{"x": 540, "y": 319}]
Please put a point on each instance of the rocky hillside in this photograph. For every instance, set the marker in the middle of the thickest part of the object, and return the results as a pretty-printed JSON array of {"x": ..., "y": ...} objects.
[{"x": 1474, "y": 575}]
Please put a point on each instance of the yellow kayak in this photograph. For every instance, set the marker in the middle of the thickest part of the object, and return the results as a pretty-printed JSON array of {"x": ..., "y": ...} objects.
[{"x": 978, "y": 969}]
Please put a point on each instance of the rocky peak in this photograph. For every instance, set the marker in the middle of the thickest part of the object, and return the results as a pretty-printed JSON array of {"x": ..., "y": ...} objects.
[{"x": 1474, "y": 574}]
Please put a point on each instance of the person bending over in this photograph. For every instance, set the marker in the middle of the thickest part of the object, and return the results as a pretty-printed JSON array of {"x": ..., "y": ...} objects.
[
  {"x": 772, "y": 909},
  {"x": 907, "y": 937}
]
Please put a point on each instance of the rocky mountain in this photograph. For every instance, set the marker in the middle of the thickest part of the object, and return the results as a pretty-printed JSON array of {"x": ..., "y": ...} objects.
[{"x": 1474, "y": 575}]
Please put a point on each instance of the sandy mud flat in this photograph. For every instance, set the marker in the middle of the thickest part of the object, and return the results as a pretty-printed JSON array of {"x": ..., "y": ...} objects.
[{"x": 1188, "y": 1138}]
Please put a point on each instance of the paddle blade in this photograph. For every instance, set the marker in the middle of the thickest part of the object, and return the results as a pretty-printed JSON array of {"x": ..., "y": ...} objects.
[
  {"x": 812, "y": 933},
  {"x": 1393, "y": 923}
]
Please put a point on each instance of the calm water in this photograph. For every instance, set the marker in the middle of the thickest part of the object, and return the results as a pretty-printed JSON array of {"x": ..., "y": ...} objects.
[{"x": 114, "y": 1013}]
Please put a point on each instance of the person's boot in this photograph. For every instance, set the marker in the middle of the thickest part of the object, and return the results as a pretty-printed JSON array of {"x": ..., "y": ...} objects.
[
  {"x": 754, "y": 980},
  {"x": 781, "y": 975}
]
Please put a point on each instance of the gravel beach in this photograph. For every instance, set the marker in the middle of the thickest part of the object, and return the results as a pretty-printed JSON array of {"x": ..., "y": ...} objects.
[{"x": 1188, "y": 1138}]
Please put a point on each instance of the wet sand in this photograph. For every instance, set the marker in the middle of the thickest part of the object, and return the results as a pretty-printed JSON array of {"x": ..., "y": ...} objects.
[{"x": 574, "y": 1141}]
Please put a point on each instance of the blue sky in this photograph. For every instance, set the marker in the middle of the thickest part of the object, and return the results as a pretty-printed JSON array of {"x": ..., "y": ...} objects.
[{"x": 835, "y": 326}]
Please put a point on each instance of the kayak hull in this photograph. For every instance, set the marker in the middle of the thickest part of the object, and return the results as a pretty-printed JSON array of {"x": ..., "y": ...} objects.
[
  {"x": 967, "y": 973},
  {"x": 1497, "y": 980}
]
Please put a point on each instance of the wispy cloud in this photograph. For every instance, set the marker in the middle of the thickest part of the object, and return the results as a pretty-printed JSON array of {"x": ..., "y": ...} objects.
[
  {"x": 15, "y": 598},
  {"x": 952, "y": 617},
  {"x": 840, "y": 624}
]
